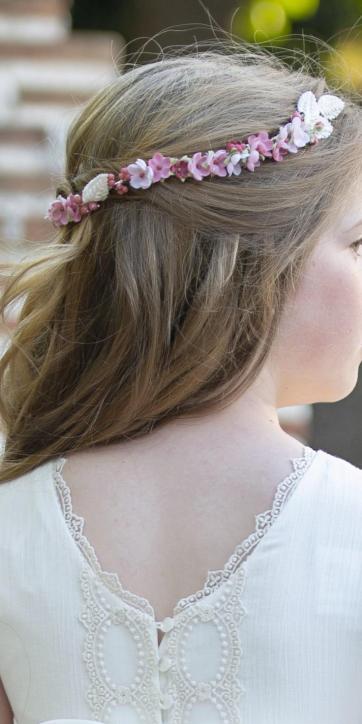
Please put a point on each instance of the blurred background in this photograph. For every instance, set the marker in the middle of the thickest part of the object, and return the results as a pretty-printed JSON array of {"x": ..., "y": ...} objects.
[{"x": 54, "y": 54}]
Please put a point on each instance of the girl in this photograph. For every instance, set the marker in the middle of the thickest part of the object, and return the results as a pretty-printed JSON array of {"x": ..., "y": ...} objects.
[{"x": 168, "y": 552}]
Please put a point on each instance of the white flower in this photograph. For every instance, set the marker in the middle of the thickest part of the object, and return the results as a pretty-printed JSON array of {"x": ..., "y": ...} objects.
[
  {"x": 233, "y": 165},
  {"x": 323, "y": 129},
  {"x": 141, "y": 175},
  {"x": 327, "y": 105},
  {"x": 318, "y": 113}
]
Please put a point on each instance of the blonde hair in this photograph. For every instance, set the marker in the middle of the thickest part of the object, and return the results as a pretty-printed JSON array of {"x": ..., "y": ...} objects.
[{"x": 165, "y": 302}]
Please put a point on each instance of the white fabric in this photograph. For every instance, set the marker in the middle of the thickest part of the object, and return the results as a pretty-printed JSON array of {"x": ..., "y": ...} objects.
[{"x": 273, "y": 638}]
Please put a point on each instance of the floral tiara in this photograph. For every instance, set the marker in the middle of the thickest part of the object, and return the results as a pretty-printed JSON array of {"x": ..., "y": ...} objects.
[{"x": 307, "y": 125}]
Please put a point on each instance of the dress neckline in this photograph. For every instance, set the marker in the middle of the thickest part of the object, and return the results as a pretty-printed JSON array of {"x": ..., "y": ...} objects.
[{"x": 268, "y": 519}]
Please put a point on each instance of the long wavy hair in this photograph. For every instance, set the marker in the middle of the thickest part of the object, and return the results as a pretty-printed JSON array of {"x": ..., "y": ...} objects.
[{"x": 164, "y": 303}]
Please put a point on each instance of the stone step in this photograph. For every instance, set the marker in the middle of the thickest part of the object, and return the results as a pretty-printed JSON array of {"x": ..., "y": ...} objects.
[
  {"x": 9, "y": 94},
  {"x": 47, "y": 73},
  {"x": 52, "y": 96},
  {"x": 97, "y": 46},
  {"x": 32, "y": 29},
  {"x": 24, "y": 160},
  {"x": 47, "y": 116},
  {"x": 17, "y": 232},
  {"x": 38, "y": 229},
  {"x": 22, "y": 136},
  {"x": 32, "y": 148},
  {"x": 56, "y": 8},
  {"x": 64, "y": 75},
  {"x": 27, "y": 206},
  {"x": 18, "y": 227},
  {"x": 20, "y": 183}
]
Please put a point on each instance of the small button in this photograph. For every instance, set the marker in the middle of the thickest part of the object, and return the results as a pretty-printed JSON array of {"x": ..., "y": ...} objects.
[
  {"x": 166, "y": 701},
  {"x": 166, "y": 625},
  {"x": 165, "y": 663}
]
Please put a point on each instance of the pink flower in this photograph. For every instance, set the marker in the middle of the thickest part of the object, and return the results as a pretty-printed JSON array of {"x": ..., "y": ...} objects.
[
  {"x": 298, "y": 136},
  {"x": 281, "y": 147},
  {"x": 124, "y": 174},
  {"x": 141, "y": 175},
  {"x": 253, "y": 160},
  {"x": 238, "y": 145},
  {"x": 261, "y": 142},
  {"x": 111, "y": 180},
  {"x": 260, "y": 145},
  {"x": 160, "y": 166},
  {"x": 67, "y": 209},
  {"x": 200, "y": 165},
  {"x": 57, "y": 212},
  {"x": 217, "y": 163},
  {"x": 121, "y": 188},
  {"x": 181, "y": 168},
  {"x": 73, "y": 204}
]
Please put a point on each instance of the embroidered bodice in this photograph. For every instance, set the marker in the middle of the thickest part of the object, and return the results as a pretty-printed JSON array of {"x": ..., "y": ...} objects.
[{"x": 269, "y": 638}]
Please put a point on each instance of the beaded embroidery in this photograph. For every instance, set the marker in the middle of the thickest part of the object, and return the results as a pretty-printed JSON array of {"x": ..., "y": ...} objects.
[
  {"x": 178, "y": 687},
  {"x": 225, "y": 613},
  {"x": 222, "y": 690},
  {"x": 98, "y": 616}
]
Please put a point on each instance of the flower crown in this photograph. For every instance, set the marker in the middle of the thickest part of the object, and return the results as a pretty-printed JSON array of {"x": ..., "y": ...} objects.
[{"x": 307, "y": 125}]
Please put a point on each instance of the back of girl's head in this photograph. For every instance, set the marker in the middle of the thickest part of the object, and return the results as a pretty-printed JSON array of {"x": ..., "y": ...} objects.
[{"x": 164, "y": 302}]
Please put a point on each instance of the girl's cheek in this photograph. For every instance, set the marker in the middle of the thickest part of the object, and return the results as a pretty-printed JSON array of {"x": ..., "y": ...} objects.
[{"x": 325, "y": 308}]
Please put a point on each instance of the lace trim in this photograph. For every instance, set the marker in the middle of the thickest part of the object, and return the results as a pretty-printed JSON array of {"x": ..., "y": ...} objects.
[
  {"x": 105, "y": 695},
  {"x": 215, "y": 578},
  {"x": 174, "y": 688},
  {"x": 263, "y": 521},
  {"x": 75, "y": 524},
  {"x": 223, "y": 689}
]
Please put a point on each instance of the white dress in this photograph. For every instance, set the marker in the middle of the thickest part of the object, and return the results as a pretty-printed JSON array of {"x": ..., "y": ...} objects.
[{"x": 273, "y": 638}]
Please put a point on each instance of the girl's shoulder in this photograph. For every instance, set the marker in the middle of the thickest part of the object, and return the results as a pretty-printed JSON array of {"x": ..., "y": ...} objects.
[
  {"x": 344, "y": 479},
  {"x": 22, "y": 490},
  {"x": 337, "y": 464}
]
